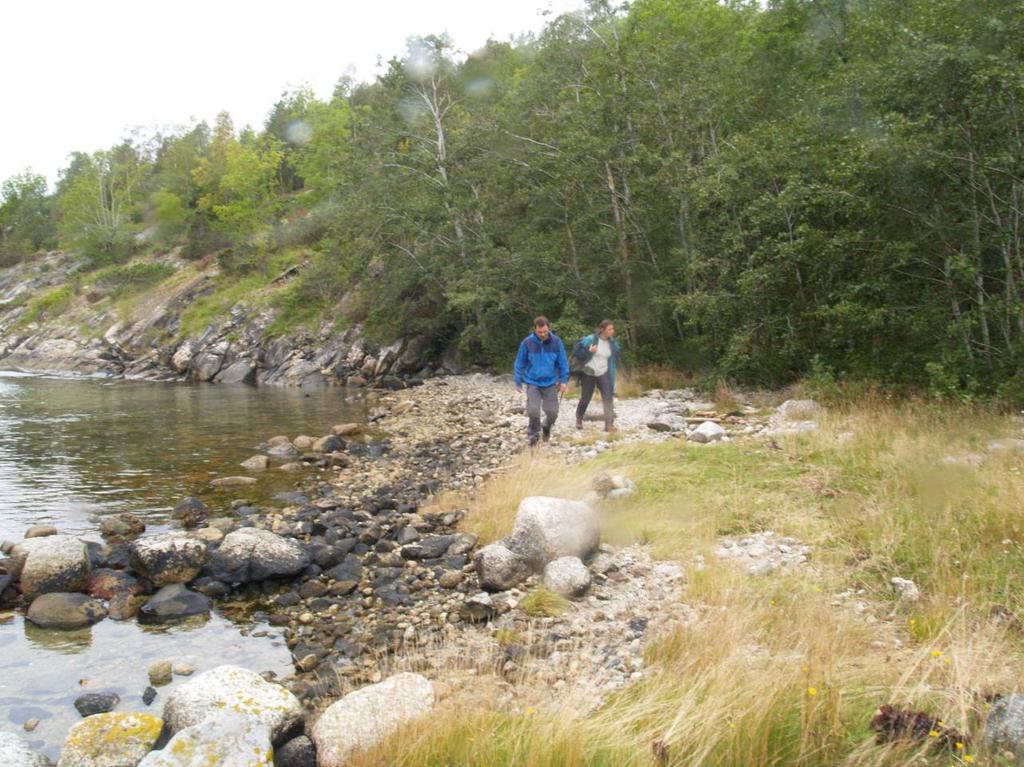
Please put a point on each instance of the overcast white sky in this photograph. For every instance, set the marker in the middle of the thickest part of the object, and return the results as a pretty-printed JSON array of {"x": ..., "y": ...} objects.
[{"x": 77, "y": 75}]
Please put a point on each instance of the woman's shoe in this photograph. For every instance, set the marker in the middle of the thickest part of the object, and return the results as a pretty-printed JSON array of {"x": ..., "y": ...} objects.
[{"x": 579, "y": 423}]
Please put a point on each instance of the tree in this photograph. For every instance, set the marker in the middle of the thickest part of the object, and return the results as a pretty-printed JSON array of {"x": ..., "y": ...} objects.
[{"x": 26, "y": 224}]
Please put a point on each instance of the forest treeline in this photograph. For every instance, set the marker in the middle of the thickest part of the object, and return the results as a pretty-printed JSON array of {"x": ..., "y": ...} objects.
[{"x": 761, "y": 189}]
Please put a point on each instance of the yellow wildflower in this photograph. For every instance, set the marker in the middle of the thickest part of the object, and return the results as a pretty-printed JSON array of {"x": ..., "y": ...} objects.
[{"x": 812, "y": 691}]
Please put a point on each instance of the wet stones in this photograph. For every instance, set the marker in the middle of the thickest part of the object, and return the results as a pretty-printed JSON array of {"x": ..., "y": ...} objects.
[
  {"x": 65, "y": 611},
  {"x": 191, "y": 512},
  {"x": 228, "y": 738},
  {"x": 15, "y": 752},
  {"x": 256, "y": 463},
  {"x": 121, "y": 526},
  {"x": 58, "y": 563},
  {"x": 173, "y": 602},
  {"x": 168, "y": 558},
  {"x": 251, "y": 554},
  {"x": 96, "y": 703}
]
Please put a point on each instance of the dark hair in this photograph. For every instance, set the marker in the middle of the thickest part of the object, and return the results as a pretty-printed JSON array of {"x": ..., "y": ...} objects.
[
  {"x": 540, "y": 321},
  {"x": 603, "y": 324}
]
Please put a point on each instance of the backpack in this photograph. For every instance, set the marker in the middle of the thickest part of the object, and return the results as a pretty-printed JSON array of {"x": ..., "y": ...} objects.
[{"x": 579, "y": 358}]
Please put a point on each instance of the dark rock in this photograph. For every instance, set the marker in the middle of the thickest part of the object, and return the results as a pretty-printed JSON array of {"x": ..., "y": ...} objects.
[
  {"x": 342, "y": 588},
  {"x": 329, "y": 444},
  {"x": 149, "y": 695},
  {"x": 117, "y": 557},
  {"x": 124, "y": 606},
  {"x": 173, "y": 602},
  {"x": 241, "y": 372},
  {"x": 65, "y": 611},
  {"x": 214, "y": 589},
  {"x": 288, "y": 599},
  {"x": 407, "y": 534},
  {"x": 311, "y": 589},
  {"x": 191, "y": 512},
  {"x": 350, "y": 569},
  {"x": 298, "y": 752},
  {"x": 478, "y": 608},
  {"x": 96, "y": 703}
]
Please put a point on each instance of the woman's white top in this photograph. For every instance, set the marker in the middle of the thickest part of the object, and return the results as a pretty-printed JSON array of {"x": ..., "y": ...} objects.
[{"x": 598, "y": 364}]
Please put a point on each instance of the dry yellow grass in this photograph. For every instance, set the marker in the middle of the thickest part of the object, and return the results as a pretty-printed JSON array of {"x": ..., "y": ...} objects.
[{"x": 785, "y": 670}]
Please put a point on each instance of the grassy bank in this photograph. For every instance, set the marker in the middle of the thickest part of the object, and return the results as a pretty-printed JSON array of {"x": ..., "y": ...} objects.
[{"x": 787, "y": 669}]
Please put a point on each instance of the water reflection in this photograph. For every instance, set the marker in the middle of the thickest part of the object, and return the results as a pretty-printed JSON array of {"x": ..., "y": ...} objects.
[
  {"x": 69, "y": 642},
  {"x": 71, "y": 449}
]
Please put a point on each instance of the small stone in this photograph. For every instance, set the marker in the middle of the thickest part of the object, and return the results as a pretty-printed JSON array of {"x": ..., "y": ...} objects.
[
  {"x": 233, "y": 482},
  {"x": 905, "y": 589},
  {"x": 184, "y": 669},
  {"x": 96, "y": 703},
  {"x": 40, "y": 531},
  {"x": 149, "y": 695},
  {"x": 160, "y": 673},
  {"x": 30, "y": 725},
  {"x": 256, "y": 463}
]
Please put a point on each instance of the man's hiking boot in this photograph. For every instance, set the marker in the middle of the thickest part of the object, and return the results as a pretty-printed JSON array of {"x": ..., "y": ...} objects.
[{"x": 546, "y": 433}]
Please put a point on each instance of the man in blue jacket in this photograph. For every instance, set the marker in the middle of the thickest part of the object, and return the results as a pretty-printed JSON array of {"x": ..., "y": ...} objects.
[{"x": 543, "y": 367}]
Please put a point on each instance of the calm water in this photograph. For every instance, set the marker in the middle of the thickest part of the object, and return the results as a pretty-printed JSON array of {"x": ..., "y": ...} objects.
[{"x": 71, "y": 450}]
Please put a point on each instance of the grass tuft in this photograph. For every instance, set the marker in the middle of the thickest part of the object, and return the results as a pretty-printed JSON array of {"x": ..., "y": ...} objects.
[{"x": 541, "y": 603}]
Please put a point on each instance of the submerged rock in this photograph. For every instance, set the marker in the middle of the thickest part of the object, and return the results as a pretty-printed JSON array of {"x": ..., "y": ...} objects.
[
  {"x": 15, "y": 752},
  {"x": 96, "y": 703},
  {"x": 121, "y": 526},
  {"x": 112, "y": 739},
  {"x": 191, "y": 512},
  {"x": 367, "y": 716}
]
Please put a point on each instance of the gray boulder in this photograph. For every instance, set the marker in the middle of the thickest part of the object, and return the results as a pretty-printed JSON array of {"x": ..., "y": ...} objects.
[
  {"x": 54, "y": 564},
  {"x": 667, "y": 422},
  {"x": 243, "y": 371},
  {"x": 65, "y": 611},
  {"x": 549, "y": 528},
  {"x": 797, "y": 410},
  {"x": 709, "y": 431},
  {"x": 15, "y": 752},
  {"x": 93, "y": 703},
  {"x": 116, "y": 739},
  {"x": 256, "y": 463},
  {"x": 251, "y": 554},
  {"x": 168, "y": 557},
  {"x": 367, "y": 716},
  {"x": 499, "y": 568},
  {"x": 40, "y": 531},
  {"x": 329, "y": 444},
  {"x": 227, "y": 739},
  {"x": 567, "y": 576},
  {"x": 232, "y": 689},
  {"x": 1004, "y": 729},
  {"x": 172, "y": 602},
  {"x": 285, "y": 452}
]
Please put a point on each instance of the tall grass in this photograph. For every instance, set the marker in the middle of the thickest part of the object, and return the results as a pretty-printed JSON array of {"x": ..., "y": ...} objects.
[{"x": 787, "y": 669}]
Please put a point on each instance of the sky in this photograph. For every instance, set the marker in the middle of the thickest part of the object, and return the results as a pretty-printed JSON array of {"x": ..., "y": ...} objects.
[{"x": 80, "y": 75}]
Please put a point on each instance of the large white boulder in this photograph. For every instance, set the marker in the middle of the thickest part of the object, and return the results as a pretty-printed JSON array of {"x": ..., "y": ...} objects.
[
  {"x": 51, "y": 564},
  {"x": 168, "y": 557},
  {"x": 549, "y": 528},
  {"x": 365, "y": 717},
  {"x": 15, "y": 752},
  {"x": 227, "y": 739},
  {"x": 251, "y": 554},
  {"x": 231, "y": 688},
  {"x": 114, "y": 739}
]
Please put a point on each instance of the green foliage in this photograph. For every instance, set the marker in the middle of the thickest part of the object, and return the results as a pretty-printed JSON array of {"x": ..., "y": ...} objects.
[
  {"x": 47, "y": 305},
  {"x": 742, "y": 187},
  {"x": 26, "y": 224},
  {"x": 124, "y": 280}
]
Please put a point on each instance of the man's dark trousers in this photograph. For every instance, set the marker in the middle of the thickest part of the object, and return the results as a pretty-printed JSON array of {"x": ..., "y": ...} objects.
[{"x": 536, "y": 398}]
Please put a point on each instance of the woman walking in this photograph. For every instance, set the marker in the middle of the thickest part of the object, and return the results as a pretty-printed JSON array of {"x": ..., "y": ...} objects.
[{"x": 600, "y": 354}]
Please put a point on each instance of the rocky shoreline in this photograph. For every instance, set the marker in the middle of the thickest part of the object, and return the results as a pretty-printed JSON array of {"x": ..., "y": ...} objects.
[{"x": 362, "y": 578}]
